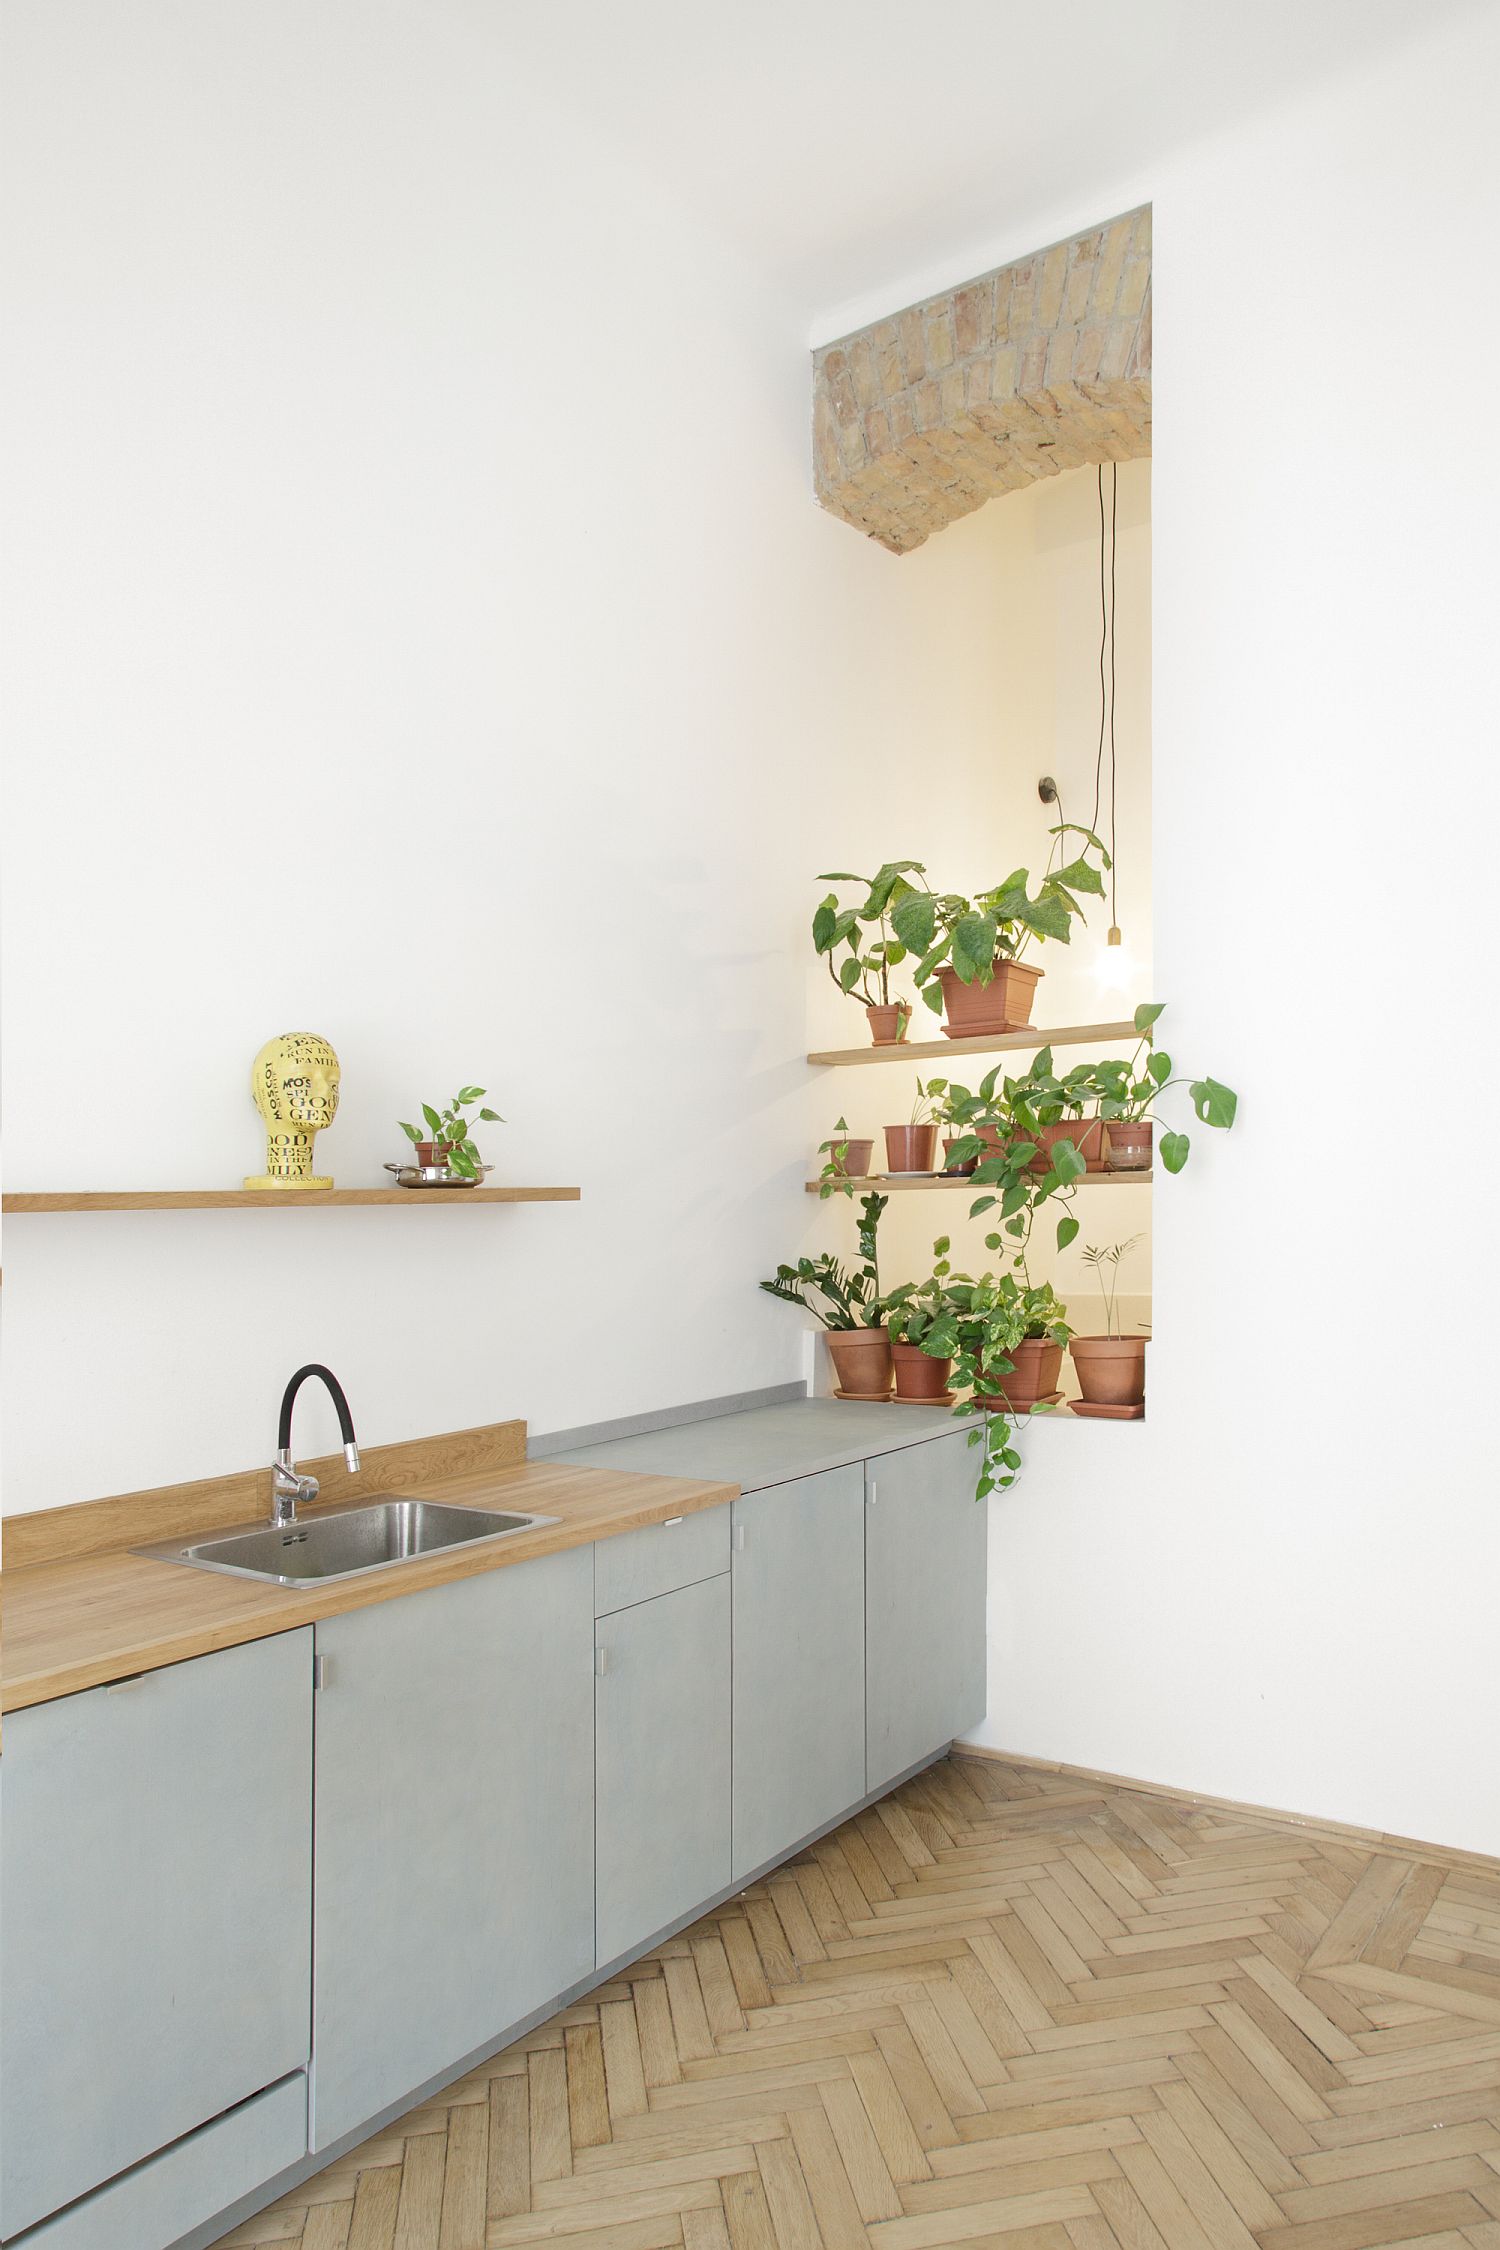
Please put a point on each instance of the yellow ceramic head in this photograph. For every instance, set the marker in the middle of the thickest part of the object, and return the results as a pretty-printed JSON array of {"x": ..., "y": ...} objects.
[{"x": 294, "y": 1082}]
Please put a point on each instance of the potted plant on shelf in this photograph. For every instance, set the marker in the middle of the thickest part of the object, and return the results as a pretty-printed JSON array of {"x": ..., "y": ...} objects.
[
  {"x": 848, "y": 1160},
  {"x": 865, "y": 969},
  {"x": 910, "y": 1147},
  {"x": 848, "y": 1304},
  {"x": 968, "y": 951},
  {"x": 1036, "y": 1360},
  {"x": 1051, "y": 1109},
  {"x": 1127, "y": 1093},
  {"x": 922, "y": 1317},
  {"x": 971, "y": 1119},
  {"x": 447, "y": 1141},
  {"x": 1111, "y": 1368}
]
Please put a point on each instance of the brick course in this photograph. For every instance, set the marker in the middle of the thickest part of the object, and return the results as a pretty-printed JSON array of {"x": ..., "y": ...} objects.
[{"x": 1041, "y": 366}]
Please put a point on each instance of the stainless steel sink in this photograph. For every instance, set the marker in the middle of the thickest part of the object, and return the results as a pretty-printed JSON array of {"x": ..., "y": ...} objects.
[{"x": 344, "y": 1542}]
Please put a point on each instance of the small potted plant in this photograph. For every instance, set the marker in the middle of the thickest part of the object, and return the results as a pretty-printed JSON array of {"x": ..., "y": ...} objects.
[
  {"x": 848, "y": 1160},
  {"x": 867, "y": 959},
  {"x": 1112, "y": 1367},
  {"x": 447, "y": 1141},
  {"x": 1051, "y": 1109},
  {"x": 848, "y": 1305},
  {"x": 1036, "y": 1361},
  {"x": 923, "y": 1321},
  {"x": 969, "y": 951},
  {"x": 967, "y": 1118},
  {"x": 1127, "y": 1094},
  {"x": 911, "y": 1147}
]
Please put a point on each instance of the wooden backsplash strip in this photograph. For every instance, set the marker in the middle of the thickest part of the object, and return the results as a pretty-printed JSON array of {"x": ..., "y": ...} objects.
[{"x": 130, "y": 1519}]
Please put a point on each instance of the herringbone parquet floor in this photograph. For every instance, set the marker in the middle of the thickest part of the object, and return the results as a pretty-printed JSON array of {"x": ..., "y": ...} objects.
[{"x": 1001, "y": 2007}]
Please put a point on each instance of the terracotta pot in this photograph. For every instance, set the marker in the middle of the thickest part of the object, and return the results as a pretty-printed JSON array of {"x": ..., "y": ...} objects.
[
  {"x": 1111, "y": 1369},
  {"x": 919, "y": 1377},
  {"x": 861, "y": 1361},
  {"x": 1037, "y": 1367},
  {"x": 958, "y": 1171},
  {"x": 910, "y": 1148},
  {"x": 1128, "y": 1146},
  {"x": 1004, "y": 1004},
  {"x": 888, "y": 1025},
  {"x": 1086, "y": 1134},
  {"x": 856, "y": 1163},
  {"x": 431, "y": 1153}
]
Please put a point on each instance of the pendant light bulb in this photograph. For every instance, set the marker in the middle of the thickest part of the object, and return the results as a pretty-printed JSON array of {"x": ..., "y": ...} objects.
[{"x": 1114, "y": 934}]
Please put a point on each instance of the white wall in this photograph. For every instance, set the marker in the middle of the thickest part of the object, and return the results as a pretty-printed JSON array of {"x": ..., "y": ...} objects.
[
  {"x": 1282, "y": 1587},
  {"x": 421, "y": 631}
]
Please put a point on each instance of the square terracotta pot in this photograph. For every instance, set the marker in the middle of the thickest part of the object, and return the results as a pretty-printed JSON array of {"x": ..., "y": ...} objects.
[{"x": 977, "y": 1011}]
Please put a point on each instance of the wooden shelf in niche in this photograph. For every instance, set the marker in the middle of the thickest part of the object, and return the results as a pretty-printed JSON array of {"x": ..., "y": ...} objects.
[
  {"x": 995, "y": 1043},
  {"x": 883, "y": 1182},
  {"x": 274, "y": 1199}
]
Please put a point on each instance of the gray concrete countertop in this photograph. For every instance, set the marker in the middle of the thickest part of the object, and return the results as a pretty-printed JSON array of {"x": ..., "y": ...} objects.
[{"x": 771, "y": 1444}]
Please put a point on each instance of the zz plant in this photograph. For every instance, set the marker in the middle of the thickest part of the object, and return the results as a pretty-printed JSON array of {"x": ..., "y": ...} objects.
[{"x": 838, "y": 1296}]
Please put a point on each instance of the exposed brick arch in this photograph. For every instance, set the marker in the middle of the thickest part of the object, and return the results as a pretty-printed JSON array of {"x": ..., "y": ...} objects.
[{"x": 1040, "y": 366}]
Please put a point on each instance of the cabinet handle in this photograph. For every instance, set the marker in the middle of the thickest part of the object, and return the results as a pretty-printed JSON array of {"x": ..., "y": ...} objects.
[
  {"x": 601, "y": 1662},
  {"x": 322, "y": 1672},
  {"x": 873, "y": 1495},
  {"x": 668, "y": 1521},
  {"x": 739, "y": 1539}
]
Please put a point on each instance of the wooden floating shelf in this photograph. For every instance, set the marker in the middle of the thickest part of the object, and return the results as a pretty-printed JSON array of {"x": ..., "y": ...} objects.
[
  {"x": 994, "y": 1043},
  {"x": 883, "y": 1182},
  {"x": 275, "y": 1199}
]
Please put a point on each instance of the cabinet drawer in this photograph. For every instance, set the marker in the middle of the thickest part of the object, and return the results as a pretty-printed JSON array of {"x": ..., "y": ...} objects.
[
  {"x": 659, "y": 1558},
  {"x": 190, "y": 2182}
]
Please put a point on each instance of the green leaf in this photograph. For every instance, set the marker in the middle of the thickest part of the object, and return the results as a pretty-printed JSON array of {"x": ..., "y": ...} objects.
[
  {"x": 914, "y": 921},
  {"x": 412, "y": 1132},
  {"x": 1147, "y": 1013},
  {"x": 974, "y": 947},
  {"x": 1067, "y": 1230},
  {"x": 433, "y": 1120},
  {"x": 823, "y": 925},
  {"x": 1079, "y": 875},
  {"x": 1160, "y": 1068},
  {"x": 933, "y": 995},
  {"x": 470, "y": 1094},
  {"x": 1174, "y": 1150},
  {"x": 1215, "y": 1104},
  {"x": 491, "y": 1117},
  {"x": 841, "y": 878},
  {"x": 1066, "y": 1162},
  {"x": 1048, "y": 917},
  {"x": 849, "y": 972}
]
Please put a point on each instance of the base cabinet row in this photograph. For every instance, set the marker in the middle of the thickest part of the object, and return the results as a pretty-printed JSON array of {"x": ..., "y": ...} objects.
[{"x": 215, "y": 1876}]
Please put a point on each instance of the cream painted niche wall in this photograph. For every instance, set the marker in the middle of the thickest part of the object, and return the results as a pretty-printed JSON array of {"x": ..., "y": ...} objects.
[{"x": 1035, "y": 554}]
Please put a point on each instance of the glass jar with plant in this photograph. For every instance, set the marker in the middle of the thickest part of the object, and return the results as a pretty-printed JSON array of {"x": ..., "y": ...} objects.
[
  {"x": 860, "y": 945},
  {"x": 911, "y": 1147},
  {"x": 447, "y": 1142},
  {"x": 1126, "y": 1095},
  {"x": 1112, "y": 1367},
  {"x": 847, "y": 1160},
  {"x": 968, "y": 952},
  {"x": 847, "y": 1303}
]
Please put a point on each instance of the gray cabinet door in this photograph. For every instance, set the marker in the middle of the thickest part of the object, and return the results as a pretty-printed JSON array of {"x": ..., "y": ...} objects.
[
  {"x": 156, "y": 1866},
  {"x": 925, "y": 1598},
  {"x": 454, "y": 1890},
  {"x": 799, "y": 1661},
  {"x": 661, "y": 1762}
]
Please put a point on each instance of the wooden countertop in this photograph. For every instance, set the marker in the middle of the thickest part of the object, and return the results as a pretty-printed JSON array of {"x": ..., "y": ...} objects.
[{"x": 83, "y": 1621}]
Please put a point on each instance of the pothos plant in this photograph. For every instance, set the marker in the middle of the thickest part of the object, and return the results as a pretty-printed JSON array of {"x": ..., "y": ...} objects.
[
  {"x": 449, "y": 1128},
  {"x": 836, "y": 1295},
  {"x": 859, "y": 943},
  {"x": 1130, "y": 1090},
  {"x": 944, "y": 929}
]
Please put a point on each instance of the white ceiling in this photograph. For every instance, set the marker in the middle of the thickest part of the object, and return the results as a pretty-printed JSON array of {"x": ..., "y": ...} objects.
[{"x": 853, "y": 146}]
